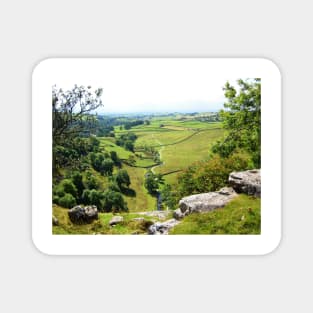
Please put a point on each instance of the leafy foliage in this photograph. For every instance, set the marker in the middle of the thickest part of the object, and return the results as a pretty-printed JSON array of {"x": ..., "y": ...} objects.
[
  {"x": 242, "y": 119},
  {"x": 122, "y": 178},
  {"x": 67, "y": 201},
  {"x": 211, "y": 175},
  {"x": 152, "y": 182}
]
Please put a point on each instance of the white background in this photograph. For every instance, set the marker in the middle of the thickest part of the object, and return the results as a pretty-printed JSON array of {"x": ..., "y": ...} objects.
[{"x": 34, "y": 30}]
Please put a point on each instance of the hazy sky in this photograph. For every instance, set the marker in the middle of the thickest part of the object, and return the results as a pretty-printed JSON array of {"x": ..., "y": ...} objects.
[{"x": 158, "y": 86}]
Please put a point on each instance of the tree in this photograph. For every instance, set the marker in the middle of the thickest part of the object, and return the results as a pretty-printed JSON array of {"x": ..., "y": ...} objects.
[
  {"x": 67, "y": 201},
  {"x": 122, "y": 178},
  {"x": 107, "y": 167},
  {"x": 152, "y": 182},
  {"x": 115, "y": 158},
  {"x": 91, "y": 181},
  {"x": 129, "y": 145},
  {"x": 66, "y": 186},
  {"x": 168, "y": 197},
  {"x": 242, "y": 119},
  {"x": 77, "y": 179},
  {"x": 113, "y": 201},
  {"x": 70, "y": 111}
]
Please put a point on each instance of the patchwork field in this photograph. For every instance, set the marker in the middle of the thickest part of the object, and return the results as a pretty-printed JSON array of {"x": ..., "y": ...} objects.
[{"x": 179, "y": 142}]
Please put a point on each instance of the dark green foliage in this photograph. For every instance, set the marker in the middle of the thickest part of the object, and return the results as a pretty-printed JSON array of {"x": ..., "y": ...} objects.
[
  {"x": 67, "y": 201},
  {"x": 55, "y": 199},
  {"x": 169, "y": 197},
  {"x": 211, "y": 175},
  {"x": 113, "y": 201},
  {"x": 122, "y": 178},
  {"x": 107, "y": 167},
  {"x": 77, "y": 179},
  {"x": 129, "y": 145},
  {"x": 86, "y": 196},
  {"x": 95, "y": 198},
  {"x": 130, "y": 124},
  {"x": 127, "y": 141},
  {"x": 91, "y": 181},
  {"x": 242, "y": 119},
  {"x": 101, "y": 164},
  {"x": 114, "y": 157},
  {"x": 64, "y": 187},
  {"x": 152, "y": 182}
]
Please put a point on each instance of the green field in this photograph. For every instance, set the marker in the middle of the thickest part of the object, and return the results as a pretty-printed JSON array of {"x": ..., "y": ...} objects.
[{"x": 179, "y": 143}]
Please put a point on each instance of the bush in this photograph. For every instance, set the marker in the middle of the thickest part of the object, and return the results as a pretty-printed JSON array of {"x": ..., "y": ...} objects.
[
  {"x": 55, "y": 199},
  {"x": 113, "y": 201},
  {"x": 91, "y": 181},
  {"x": 213, "y": 174},
  {"x": 64, "y": 187},
  {"x": 67, "y": 201},
  {"x": 122, "y": 178}
]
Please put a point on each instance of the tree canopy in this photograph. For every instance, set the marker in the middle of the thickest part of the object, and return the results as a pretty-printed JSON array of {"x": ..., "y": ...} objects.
[
  {"x": 70, "y": 111},
  {"x": 242, "y": 120}
]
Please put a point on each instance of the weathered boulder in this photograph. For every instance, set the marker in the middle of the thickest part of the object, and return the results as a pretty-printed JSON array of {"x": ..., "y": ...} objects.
[
  {"x": 116, "y": 220},
  {"x": 163, "y": 228},
  {"x": 162, "y": 215},
  {"x": 83, "y": 215},
  {"x": 248, "y": 182},
  {"x": 178, "y": 214},
  {"x": 55, "y": 221},
  {"x": 205, "y": 202}
]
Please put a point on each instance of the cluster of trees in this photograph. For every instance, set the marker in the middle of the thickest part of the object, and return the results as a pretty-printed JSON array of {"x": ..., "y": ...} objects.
[
  {"x": 127, "y": 141},
  {"x": 152, "y": 182},
  {"x": 105, "y": 126},
  {"x": 74, "y": 155},
  {"x": 78, "y": 190},
  {"x": 130, "y": 124},
  {"x": 102, "y": 163}
]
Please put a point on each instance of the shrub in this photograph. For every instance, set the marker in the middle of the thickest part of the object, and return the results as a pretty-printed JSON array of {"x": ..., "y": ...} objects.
[
  {"x": 55, "y": 199},
  {"x": 211, "y": 175},
  {"x": 67, "y": 201},
  {"x": 64, "y": 187}
]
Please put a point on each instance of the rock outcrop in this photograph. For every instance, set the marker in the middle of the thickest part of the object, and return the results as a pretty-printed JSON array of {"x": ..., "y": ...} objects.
[
  {"x": 163, "y": 228},
  {"x": 83, "y": 215},
  {"x": 248, "y": 182},
  {"x": 204, "y": 202},
  {"x": 116, "y": 220}
]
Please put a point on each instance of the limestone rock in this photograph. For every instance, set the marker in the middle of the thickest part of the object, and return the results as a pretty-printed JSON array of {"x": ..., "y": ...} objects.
[
  {"x": 248, "y": 182},
  {"x": 83, "y": 215},
  {"x": 205, "y": 202},
  {"x": 163, "y": 228},
  {"x": 116, "y": 220},
  {"x": 178, "y": 214}
]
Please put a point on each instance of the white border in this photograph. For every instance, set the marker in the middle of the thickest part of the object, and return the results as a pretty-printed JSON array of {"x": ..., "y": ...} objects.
[{"x": 50, "y": 71}]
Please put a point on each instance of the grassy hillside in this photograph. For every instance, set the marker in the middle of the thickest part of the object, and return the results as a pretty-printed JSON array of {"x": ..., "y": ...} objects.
[
  {"x": 240, "y": 216},
  {"x": 143, "y": 201},
  {"x": 179, "y": 156}
]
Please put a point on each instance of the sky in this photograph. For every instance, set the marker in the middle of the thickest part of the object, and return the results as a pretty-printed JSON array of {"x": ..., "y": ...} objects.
[{"x": 142, "y": 85}]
